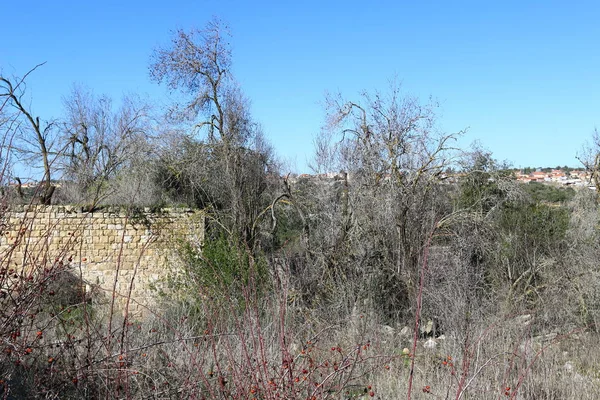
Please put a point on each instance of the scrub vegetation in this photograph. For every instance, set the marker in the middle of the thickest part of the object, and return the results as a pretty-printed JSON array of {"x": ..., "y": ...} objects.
[{"x": 403, "y": 267}]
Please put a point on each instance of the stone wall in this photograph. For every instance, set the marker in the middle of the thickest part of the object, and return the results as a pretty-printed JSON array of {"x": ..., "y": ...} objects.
[{"x": 106, "y": 249}]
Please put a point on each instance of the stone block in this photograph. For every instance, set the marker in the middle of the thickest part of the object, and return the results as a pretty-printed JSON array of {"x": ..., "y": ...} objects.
[{"x": 106, "y": 240}]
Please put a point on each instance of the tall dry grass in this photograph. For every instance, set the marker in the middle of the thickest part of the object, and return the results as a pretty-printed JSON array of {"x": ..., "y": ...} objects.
[{"x": 255, "y": 342}]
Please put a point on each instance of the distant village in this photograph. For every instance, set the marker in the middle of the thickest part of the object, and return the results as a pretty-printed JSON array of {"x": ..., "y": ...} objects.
[
  {"x": 557, "y": 176},
  {"x": 560, "y": 176}
]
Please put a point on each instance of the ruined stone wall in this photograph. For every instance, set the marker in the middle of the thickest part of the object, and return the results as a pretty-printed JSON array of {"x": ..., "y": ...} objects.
[{"x": 106, "y": 249}]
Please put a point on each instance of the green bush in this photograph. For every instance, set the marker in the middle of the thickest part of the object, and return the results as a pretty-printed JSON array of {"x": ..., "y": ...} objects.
[
  {"x": 541, "y": 192},
  {"x": 219, "y": 272},
  {"x": 531, "y": 247}
]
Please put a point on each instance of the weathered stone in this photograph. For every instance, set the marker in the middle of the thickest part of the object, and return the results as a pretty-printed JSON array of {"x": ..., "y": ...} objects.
[
  {"x": 405, "y": 332},
  {"x": 99, "y": 242},
  {"x": 523, "y": 319},
  {"x": 430, "y": 344}
]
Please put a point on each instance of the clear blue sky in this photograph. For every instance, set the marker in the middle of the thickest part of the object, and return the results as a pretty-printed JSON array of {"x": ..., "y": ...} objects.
[{"x": 524, "y": 76}]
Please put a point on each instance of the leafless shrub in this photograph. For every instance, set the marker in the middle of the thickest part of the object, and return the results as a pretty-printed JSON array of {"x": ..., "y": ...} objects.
[
  {"x": 24, "y": 135},
  {"x": 104, "y": 147}
]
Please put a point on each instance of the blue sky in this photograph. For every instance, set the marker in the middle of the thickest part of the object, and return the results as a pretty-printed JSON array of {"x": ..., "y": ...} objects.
[{"x": 523, "y": 76}]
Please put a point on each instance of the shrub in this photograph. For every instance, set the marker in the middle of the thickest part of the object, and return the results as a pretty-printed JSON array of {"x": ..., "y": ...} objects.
[{"x": 220, "y": 271}]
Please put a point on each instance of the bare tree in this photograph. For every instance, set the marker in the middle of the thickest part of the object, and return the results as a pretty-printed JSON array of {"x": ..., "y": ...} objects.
[
  {"x": 589, "y": 156},
  {"x": 395, "y": 156},
  {"x": 198, "y": 64},
  {"x": 6, "y": 137},
  {"x": 101, "y": 141},
  {"x": 33, "y": 140},
  {"x": 228, "y": 166}
]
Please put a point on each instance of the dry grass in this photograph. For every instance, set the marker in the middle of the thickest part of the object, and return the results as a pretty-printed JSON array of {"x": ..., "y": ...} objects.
[{"x": 59, "y": 343}]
